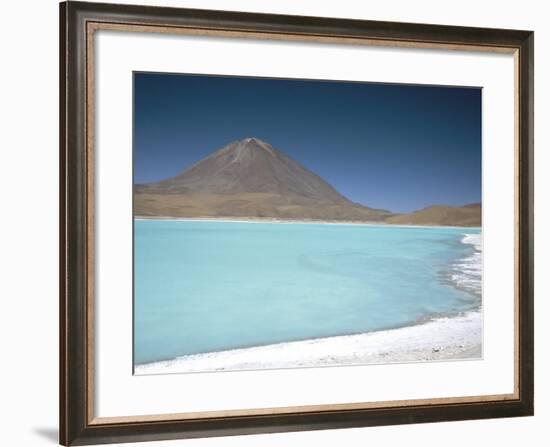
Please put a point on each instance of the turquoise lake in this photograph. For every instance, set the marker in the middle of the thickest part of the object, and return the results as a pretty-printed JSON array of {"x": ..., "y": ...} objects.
[{"x": 203, "y": 286}]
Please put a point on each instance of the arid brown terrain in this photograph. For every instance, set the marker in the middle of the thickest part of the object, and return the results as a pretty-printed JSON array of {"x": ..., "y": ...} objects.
[
  {"x": 251, "y": 179},
  {"x": 463, "y": 216}
]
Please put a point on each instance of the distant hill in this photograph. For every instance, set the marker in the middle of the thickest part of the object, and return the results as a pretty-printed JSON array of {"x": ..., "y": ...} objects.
[
  {"x": 249, "y": 178},
  {"x": 463, "y": 216}
]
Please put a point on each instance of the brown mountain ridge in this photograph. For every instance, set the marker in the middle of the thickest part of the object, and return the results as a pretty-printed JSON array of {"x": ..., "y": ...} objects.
[
  {"x": 463, "y": 216},
  {"x": 251, "y": 179}
]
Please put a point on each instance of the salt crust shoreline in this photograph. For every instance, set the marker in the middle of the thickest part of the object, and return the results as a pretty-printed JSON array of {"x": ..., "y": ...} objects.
[
  {"x": 291, "y": 221},
  {"x": 445, "y": 338}
]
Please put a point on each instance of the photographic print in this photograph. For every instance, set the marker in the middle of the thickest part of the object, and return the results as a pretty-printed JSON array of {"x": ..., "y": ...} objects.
[{"x": 286, "y": 223}]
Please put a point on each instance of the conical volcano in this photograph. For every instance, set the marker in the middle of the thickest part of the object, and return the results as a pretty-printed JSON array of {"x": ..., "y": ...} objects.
[{"x": 249, "y": 178}]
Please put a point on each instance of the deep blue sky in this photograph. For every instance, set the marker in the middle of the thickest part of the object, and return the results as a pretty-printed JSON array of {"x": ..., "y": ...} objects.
[{"x": 398, "y": 147}]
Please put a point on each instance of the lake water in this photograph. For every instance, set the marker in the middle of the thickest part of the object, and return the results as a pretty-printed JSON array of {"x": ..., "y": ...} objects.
[{"x": 204, "y": 286}]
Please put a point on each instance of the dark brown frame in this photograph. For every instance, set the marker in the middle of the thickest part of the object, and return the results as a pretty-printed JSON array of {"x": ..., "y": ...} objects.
[{"x": 78, "y": 21}]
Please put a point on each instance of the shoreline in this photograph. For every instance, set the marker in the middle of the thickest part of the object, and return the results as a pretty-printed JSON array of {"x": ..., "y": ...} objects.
[
  {"x": 293, "y": 221},
  {"x": 439, "y": 339}
]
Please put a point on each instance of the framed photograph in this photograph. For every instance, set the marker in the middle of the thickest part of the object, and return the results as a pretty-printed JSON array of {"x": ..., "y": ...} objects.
[{"x": 277, "y": 223}]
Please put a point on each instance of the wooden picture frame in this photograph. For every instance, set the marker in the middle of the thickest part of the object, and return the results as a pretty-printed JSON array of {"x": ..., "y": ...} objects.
[{"x": 78, "y": 22}]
